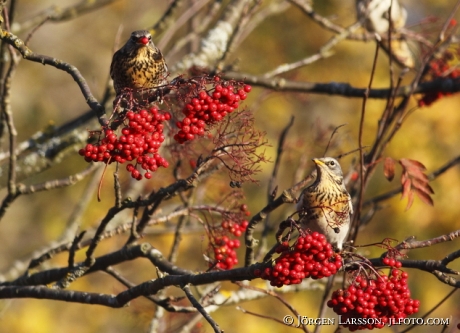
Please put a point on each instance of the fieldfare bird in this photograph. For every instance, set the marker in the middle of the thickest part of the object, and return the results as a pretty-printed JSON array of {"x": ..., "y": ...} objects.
[
  {"x": 325, "y": 206},
  {"x": 138, "y": 65}
]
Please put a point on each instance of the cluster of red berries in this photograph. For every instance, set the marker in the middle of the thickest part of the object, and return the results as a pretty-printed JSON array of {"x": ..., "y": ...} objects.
[
  {"x": 235, "y": 228},
  {"x": 443, "y": 67},
  {"x": 310, "y": 256},
  {"x": 139, "y": 142},
  {"x": 372, "y": 303},
  {"x": 392, "y": 262},
  {"x": 224, "y": 252},
  {"x": 209, "y": 107}
]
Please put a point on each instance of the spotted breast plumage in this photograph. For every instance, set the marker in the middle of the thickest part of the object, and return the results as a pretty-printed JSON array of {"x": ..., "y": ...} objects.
[
  {"x": 325, "y": 206},
  {"x": 138, "y": 65}
]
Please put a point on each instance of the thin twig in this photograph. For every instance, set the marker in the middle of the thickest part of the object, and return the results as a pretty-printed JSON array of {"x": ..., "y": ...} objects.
[
  {"x": 323, "y": 53},
  {"x": 288, "y": 196},
  {"x": 180, "y": 21},
  {"x": 357, "y": 214},
  {"x": 73, "y": 249},
  {"x": 234, "y": 39},
  {"x": 324, "y": 299},
  {"x": 8, "y": 113},
  {"x": 279, "y": 321},
  {"x": 194, "y": 34},
  {"x": 75, "y": 218},
  {"x": 330, "y": 138},
  {"x": 134, "y": 235},
  {"x": 279, "y": 153},
  {"x": 441, "y": 37},
  {"x": 200, "y": 308},
  {"x": 117, "y": 186},
  {"x": 277, "y": 297},
  {"x": 52, "y": 184},
  {"x": 124, "y": 281},
  {"x": 271, "y": 186},
  {"x": 168, "y": 17}
]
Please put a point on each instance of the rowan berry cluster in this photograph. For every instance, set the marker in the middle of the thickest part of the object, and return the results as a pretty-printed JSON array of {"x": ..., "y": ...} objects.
[
  {"x": 443, "y": 67},
  {"x": 392, "y": 262},
  {"x": 224, "y": 252},
  {"x": 140, "y": 139},
  {"x": 310, "y": 256},
  {"x": 235, "y": 228},
  {"x": 386, "y": 298},
  {"x": 209, "y": 106}
]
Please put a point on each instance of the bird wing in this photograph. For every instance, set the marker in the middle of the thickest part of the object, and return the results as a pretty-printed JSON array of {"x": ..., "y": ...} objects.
[{"x": 114, "y": 58}]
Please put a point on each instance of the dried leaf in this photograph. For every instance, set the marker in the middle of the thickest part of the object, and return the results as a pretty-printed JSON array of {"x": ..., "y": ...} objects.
[
  {"x": 415, "y": 181},
  {"x": 422, "y": 186},
  {"x": 416, "y": 172},
  {"x": 420, "y": 176},
  {"x": 424, "y": 197},
  {"x": 389, "y": 168},
  {"x": 410, "y": 200},
  {"x": 408, "y": 163},
  {"x": 404, "y": 177},
  {"x": 406, "y": 188}
]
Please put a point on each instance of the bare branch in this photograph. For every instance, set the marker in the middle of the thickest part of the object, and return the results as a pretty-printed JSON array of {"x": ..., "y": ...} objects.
[
  {"x": 59, "y": 64},
  {"x": 445, "y": 85},
  {"x": 200, "y": 308}
]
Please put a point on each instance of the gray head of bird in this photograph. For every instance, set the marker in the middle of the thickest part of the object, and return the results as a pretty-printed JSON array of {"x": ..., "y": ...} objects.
[
  {"x": 140, "y": 38},
  {"x": 328, "y": 168}
]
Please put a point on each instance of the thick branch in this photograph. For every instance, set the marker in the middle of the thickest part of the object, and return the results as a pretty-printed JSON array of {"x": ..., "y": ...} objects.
[{"x": 444, "y": 85}]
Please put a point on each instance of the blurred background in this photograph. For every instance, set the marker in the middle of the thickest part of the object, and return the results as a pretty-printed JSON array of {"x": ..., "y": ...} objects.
[{"x": 43, "y": 96}]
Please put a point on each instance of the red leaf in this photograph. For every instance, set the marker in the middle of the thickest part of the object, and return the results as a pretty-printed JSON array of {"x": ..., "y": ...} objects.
[
  {"x": 410, "y": 200},
  {"x": 406, "y": 188},
  {"x": 424, "y": 197},
  {"x": 422, "y": 186},
  {"x": 417, "y": 173},
  {"x": 404, "y": 177},
  {"x": 389, "y": 168},
  {"x": 408, "y": 163},
  {"x": 415, "y": 181}
]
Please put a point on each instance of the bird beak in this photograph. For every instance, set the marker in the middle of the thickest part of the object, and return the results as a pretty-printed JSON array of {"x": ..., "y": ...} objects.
[{"x": 318, "y": 162}]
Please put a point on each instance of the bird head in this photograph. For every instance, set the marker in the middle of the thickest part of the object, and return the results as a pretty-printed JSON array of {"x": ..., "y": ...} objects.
[
  {"x": 140, "y": 38},
  {"x": 328, "y": 169}
]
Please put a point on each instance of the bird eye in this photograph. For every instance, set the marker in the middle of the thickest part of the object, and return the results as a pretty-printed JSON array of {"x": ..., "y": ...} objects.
[{"x": 331, "y": 163}]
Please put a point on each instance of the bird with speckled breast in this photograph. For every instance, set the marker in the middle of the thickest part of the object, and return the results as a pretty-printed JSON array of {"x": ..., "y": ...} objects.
[
  {"x": 325, "y": 206},
  {"x": 138, "y": 65}
]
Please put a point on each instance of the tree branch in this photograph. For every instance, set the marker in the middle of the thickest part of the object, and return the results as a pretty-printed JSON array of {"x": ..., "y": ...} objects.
[{"x": 27, "y": 54}]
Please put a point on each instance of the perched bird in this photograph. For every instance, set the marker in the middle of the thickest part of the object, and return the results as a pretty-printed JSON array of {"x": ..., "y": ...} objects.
[
  {"x": 376, "y": 17},
  {"x": 138, "y": 65},
  {"x": 325, "y": 206}
]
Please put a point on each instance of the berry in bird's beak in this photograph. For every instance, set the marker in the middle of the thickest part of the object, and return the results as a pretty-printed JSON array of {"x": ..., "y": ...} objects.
[{"x": 143, "y": 40}]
